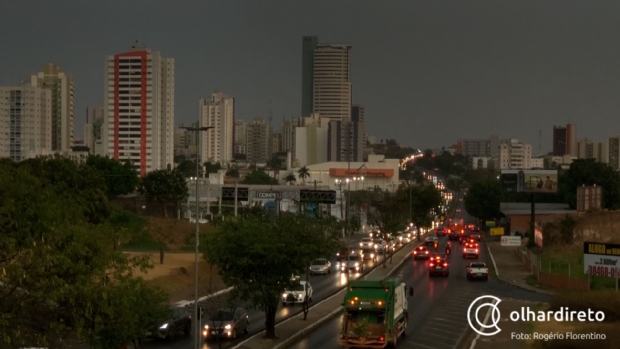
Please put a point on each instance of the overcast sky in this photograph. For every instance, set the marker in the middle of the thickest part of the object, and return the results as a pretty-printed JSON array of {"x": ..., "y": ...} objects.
[{"x": 428, "y": 72}]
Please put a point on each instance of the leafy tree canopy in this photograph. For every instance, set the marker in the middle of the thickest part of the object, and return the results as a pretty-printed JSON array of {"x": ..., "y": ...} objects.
[
  {"x": 120, "y": 178},
  {"x": 187, "y": 168},
  {"x": 212, "y": 167},
  {"x": 258, "y": 256},
  {"x": 259, "y": 177},
  {"x": 590, "y": 172},
  {"x": 483, "y": 199},
  {"x": 164, "y": 186},
  {"x": 233, "y": 172},
  {"x": 391, "y": 211}
]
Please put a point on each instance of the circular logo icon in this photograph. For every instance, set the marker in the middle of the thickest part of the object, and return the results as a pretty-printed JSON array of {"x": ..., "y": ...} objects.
[
  {"x": 504, "y": 240},
  {"x": 495, "y": 315}
]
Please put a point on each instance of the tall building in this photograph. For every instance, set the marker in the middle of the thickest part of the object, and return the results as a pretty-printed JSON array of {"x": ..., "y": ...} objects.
[
  {"x": 586, "y": 149},
  {"x": 93, "y": 129},
  {"x": 25, "y": 122},
  {"x": 139, "y": 107},
  {"x": 565, "y": 140},
  {"x": 61, "y": 87},
  {"x": 332, "y": 90},
  {"x": 309, "y": 44},
  {"x": 217, "y": 144},
  {"x": 359, "y": 141},
  {"x": 613, "y": 155},
  {"x": 288, "y": 135},
  {"x": 310, "y": 140},
  {"x": 276, "y": 142},
  {"x": 515, "y": 155},
  {"x": 571, "y": 139},
  {"x": 240, "y": 137},
  {"x": 258, "y": 141}
]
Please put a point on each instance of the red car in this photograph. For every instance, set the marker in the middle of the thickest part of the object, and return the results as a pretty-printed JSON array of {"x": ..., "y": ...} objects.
[{"x": 421, "y": 252}]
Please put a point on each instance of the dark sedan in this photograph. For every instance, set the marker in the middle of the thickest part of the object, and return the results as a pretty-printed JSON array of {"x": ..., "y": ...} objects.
[
  {"x": 227, "y": 323},
  {"x": 179, "y": 322}
]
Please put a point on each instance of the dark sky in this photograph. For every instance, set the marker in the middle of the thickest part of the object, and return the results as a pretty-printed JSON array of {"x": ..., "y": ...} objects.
[{"x": 428, "y": 72}]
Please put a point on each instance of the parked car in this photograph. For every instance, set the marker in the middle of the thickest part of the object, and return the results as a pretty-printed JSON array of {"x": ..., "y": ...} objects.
[
  {"x": 321, "y": 266},
  {"x": 226, "y": 323},
  {"x": 179, "y": 322}
]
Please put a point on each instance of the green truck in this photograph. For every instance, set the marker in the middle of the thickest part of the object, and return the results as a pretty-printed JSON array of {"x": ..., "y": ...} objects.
[{"x": 375, "y": 312}]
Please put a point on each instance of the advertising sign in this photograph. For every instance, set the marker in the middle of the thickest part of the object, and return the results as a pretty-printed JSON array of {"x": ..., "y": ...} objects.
[
  {"x": 367, "y": 172},
  {"x": 601, "y": 259},
  {"x": 530, "y": 181},
  {"x": 268, "y": 195},
  {"x": 489, "y": 224},
  {"x": 497, "y": 231},
  {"x": 511, "y": 241}
]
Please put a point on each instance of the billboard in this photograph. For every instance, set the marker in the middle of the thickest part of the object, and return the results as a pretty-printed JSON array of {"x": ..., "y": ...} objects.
[
  {"x": 530, "y": 181},
  {"x": 601, "y": 259},
  {"x": 497, "y": 231}
]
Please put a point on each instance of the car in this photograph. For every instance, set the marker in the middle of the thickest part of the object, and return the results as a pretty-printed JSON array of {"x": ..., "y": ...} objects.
[
  {"x": 440, "y": 232},
  {"x": 354, "y": 262},
  {"x": 380, "y": 245},
  {"x": 458, "y": 210},
  {"x": 431, "y": 240},
  {"x": 471, "y": 250},
  {"x": 321, "y": 266},
  {"x": 369, "y": 254},
  {"x": 421, "y": 252},
  {"x": 453, "y": 235},
  {"x": 398, "y": 237},
  {"x": 438, "y": 265},
  {"x": 366, "y": 243},
  {"x": 463, "y": 238},
  {"x": 226, "y": 323},
  {"x": 178, "y": 322},
  {"x": 476, "y": 237},
  {"x": 296, "y": 293},
  {"x": 342, "y": 253},
  {"x": 477, "y": 270}
]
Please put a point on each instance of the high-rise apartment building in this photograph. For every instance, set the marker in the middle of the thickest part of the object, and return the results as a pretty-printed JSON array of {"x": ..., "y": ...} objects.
[
  {"x": 139, "y": 107},
  {"x": 332, "y": 90},
  {"x": 258, "y": 150},
  {"x": 93, "y": 129},
  {"x": 586, "y": 149},
  {"x": 571, "y": 139},
  {"x": 309, "y": 44},
  {"x": 241, "y": 137},
  {"x": 481, "y": 147},
  {"x": 565, "y": 140},
  {"x": 217, "y": 144},
  {"x": 61, "y": 87},
  {"x": 515, "y": 155},
  {"x": 310, "y": 144},
  {"x": 25, "y": 122},
  {"x": 613, "y": 155},
  {"x": 276, "y": 142},
  {"x": 288, "y": 135},
  {"x": 359, "y": 134}
]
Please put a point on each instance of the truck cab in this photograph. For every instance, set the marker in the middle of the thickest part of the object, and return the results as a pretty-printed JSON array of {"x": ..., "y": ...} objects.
[{"x": 375, "y": 313}]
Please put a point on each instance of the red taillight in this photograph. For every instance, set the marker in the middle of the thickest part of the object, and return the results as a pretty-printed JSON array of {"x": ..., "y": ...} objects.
[
  {"x": 476, "y": 250},
  {"x": 432, "y": 264},
  {"x": 426, "y": 252},
  {"x": 464, "y": 250},
  {"x": 381, "y": 339},
  {"x": 415, "y": 252},
  {"x": 445, "y": 264}
]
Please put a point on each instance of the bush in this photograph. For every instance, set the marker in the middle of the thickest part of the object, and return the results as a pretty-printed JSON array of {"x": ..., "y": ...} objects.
[
  {"x": 607, "y": 301},
  {"x": 612, "y": 338}
]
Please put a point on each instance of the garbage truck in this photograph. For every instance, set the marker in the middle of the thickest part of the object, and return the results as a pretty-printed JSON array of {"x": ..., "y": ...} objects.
[{"x": 375, "y": 312}]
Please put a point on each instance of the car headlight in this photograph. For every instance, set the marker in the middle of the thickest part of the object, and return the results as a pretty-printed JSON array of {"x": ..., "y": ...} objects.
[
  {"x": 163, "y": 327},
  {"x": 372, "y": 255},
  {"x": 376, "y": 245},
  {"x": 357, "y": 264},
  {"x": 284, "y": 295},
  {"x": 361, "y": 244},
  {"x": 228, "y": 327},
  {"x": 206, "y": 327}
]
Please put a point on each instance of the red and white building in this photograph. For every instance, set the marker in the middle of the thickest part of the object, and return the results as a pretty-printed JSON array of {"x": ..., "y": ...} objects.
[{"x": 139, "y": 109}]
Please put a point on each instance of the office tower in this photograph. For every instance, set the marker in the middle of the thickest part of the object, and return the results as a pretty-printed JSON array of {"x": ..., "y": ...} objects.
[
  {"x": 559, "y": 140},
  {"x": 241, "y": 137},
  {"x": 139, "y": 109},
  {"x": 332, "y": 92},
  {"x": 586, "y": 149},
  {"x": 358, "y": 142},
  {"x": 309, "y": 44},
  {"x": 288, "y": 135},
  {"x": 25, "y": 122},
  {"x": 258, "y": 141},
  {"x": 613, "y": 152},
  {"x": 93, "y": 129},
  {"x": 571, "y": 140},
  {"x": 217, "y": 144},
  {"x": 61, "y": 86}
]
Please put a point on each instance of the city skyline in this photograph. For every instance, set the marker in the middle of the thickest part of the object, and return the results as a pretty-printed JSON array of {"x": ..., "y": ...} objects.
[{"x": 420, "y": 72}]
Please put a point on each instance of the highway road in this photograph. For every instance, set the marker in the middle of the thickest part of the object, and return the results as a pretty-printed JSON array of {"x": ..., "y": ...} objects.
[
  {"x": 439, "y": 306},
  {"x": 323, "y": 286}
]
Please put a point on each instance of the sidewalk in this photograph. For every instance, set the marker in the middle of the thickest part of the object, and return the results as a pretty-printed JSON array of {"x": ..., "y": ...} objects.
[
  {"x": 504, "y": 339},
  {"x": 508, "y": 268},
  {"x": 291, "y": 330}
]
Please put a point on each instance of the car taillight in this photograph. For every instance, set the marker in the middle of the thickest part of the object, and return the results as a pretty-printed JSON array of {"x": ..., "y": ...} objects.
[
  {"x": 476, "y": 250},
  {"x": 415, "y": 252},
  {"x": 426, "y": 252},
  {"x": 381, "y": 339},
  {"x": 432, "y": 264},
  {"x": 445, "y": 264},
  {"x": 464, "y": 249}
]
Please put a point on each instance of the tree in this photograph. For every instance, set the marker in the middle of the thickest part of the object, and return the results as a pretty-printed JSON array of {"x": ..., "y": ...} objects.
[
  {"x": 290, "y": 178},
  {"x": 60, "y": 278},
  {"x": 590, "y": 172},
  {"x": 425, "y": 200},
  {"x": 187, "y": 168},
  {"x": 164, "y": 186},
  {"x": 259, "y": 177},
  {"x": 275, "y": 163},
  {"x": 258, "y": 256},
  {"x": 179, "y": 158},
  {"x": 120, "y": 178},
  {"x": 483, "y": 199},
  {"x": 303, "y": 174},
  {"x": 233, "y": 172},
  {"x": 212, "y": 167},
  {"x": 239, "y": 157}
]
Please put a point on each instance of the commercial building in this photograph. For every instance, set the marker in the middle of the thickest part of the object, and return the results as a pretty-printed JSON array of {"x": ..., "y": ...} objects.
[
  {"x": 60, "y": 85},
  {"x": 332, "y": 90},
  {"x": 93, "y": 129},
  {"x": 25, "y": 122},
  {"x": 259, "y": 149},
  {"x": 515, "y": 155},
  {"x": 551, "y": 162},
  {"x": 218, "y": 111},
  {"x": 139, "y": 109}
]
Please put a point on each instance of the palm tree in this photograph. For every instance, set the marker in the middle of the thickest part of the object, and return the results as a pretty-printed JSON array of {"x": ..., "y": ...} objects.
[
  {"x": 303, "y": 174},
  {"x": 290, "y": 179}
]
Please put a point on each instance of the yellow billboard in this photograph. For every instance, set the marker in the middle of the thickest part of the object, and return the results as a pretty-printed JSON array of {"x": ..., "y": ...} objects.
[{"x": 497, "y": 231}]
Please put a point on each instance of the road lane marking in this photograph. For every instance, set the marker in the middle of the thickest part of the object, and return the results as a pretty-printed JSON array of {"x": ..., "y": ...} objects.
[{"x": 493, "y": 260}]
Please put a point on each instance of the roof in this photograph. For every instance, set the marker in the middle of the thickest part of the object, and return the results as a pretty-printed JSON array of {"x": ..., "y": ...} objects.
[{"x": 524, "y": 208}]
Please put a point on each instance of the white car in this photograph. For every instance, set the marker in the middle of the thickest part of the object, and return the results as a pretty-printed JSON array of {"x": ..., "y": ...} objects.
[
  {"x": 297, "y": 293},
  {"x": 431, "y": 240},
  {"x": 354, "y": 263},
  {"x": 320, "y": 266},
  {"x": 367, "y": 243},
  {"x": 477, "y": 270},
  {"x": 380, "y": 245}
]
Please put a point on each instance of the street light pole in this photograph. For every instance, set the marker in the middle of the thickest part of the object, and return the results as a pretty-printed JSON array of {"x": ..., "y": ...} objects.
[{"x": 196, "y": 314}]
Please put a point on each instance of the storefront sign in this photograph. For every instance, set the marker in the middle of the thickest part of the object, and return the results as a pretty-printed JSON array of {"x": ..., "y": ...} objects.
[
  {"x": 601, "y": 259},
  {"x": 511, "y": 241},
  {"x": 366, "y": 173},
  {"x": 268, "y": 195}
]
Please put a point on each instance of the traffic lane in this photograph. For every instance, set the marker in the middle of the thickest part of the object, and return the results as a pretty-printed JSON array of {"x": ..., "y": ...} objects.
[
  {"x": 413, "y": 273},
  {"x": 322, "y": 285}
]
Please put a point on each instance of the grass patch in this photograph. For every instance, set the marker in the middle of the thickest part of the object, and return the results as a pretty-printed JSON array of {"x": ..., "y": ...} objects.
[
  {"x": 568, "y": 260},
  {"x": 607, "y": 301}
]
